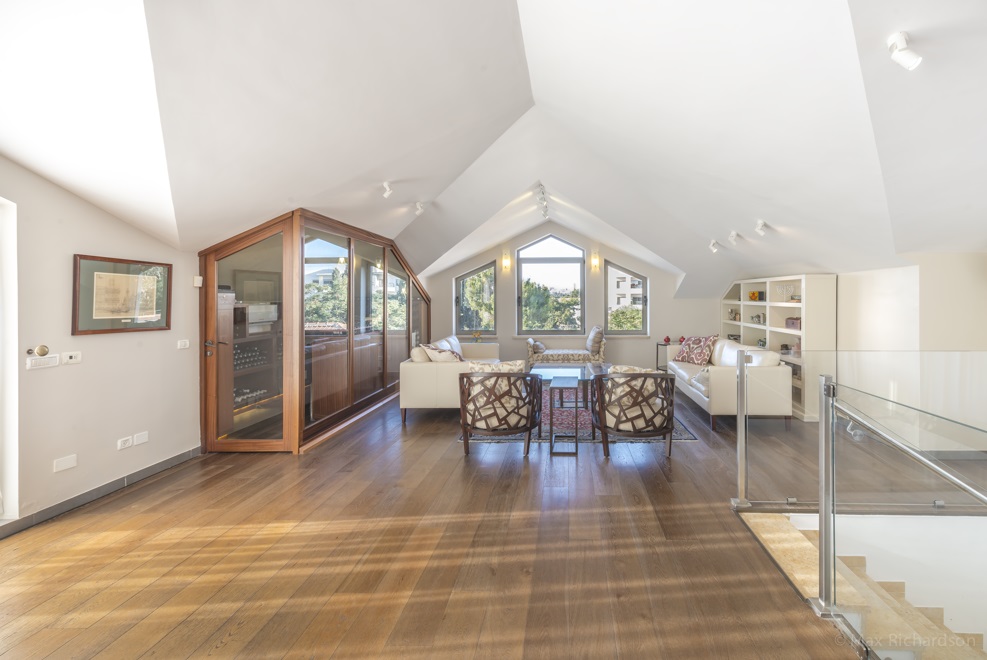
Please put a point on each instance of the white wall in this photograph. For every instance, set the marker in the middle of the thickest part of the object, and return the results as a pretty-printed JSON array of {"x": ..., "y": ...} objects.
[
  {"x": 8, "y": 359},
  {"x": 127, "y": 382},
  {"x": 916, "y": 335},
  {"x": 667, "y": 316}
]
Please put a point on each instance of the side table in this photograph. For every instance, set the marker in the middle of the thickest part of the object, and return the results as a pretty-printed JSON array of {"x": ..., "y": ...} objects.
[{"x": 560, "y": 386}]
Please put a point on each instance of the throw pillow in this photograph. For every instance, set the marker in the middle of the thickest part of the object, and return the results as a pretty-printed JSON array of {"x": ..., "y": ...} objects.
[
  {"x": 594, "y": 340},
  {"x": 418, "y": 354},
  {"x": 537, "y": 346},
  {"x": 454, "y": 344},
  {"x": 436, "y": 354},
  {"x": 696, "y": 350}
]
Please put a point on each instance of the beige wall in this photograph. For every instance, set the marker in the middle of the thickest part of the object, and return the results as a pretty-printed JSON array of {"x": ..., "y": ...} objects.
[
  {"x": 668, "y": 316},
  {"x": 127, "y": 383}
]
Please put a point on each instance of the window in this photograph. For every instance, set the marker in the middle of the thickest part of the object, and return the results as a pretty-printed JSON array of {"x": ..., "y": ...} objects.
[
  {"x": 476, "y": 301},
  {"x": 624, "y": 319},
  {"x": 550, "y": 276}
]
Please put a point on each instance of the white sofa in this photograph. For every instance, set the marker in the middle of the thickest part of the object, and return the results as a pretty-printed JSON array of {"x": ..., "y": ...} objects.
[
  {"x": 436, "y": 384},
  {"x": 769, "y": 391}
]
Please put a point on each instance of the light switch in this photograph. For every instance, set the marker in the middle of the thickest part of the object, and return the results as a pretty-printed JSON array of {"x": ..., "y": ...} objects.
[
  {"x": 183, "y": 343},
  {"x": 75, "y": 357},
  {"x": 42, "y": 362}
]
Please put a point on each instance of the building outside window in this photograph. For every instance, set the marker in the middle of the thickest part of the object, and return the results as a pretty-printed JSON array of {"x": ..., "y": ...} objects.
[{"x": 621, "y": 317}]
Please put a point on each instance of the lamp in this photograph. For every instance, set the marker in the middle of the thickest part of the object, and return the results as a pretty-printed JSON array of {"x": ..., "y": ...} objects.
[
  {"x": 505, "y": 260},
  {"x": 594, "y": 260},
  {"x": 761, "y": 227},
  {"x": 733, "y": 237},
  {"x": 714, "y": 247},
  {"x": 901, "y": 53},
  {"x": 387, "y": 189},
  {"x": 419, "y": 208}
]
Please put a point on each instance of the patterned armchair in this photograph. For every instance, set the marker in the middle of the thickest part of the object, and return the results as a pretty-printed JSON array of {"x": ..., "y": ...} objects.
[
  {"x": 634, "y": 404},
  {"x": 499, "y": 404},
  {"x": 596, "y": 345}
]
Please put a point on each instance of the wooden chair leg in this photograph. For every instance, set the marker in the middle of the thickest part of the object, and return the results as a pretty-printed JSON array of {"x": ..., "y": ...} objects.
[
  {"x": 527, "y": 443},
  {"x": 606, "y": 443},
  {"x": 404, "y": 416},
  {"x": 712, "y": 422},
  {"x": 668, "y": 445},
  {"x": 466, "y": 441}
]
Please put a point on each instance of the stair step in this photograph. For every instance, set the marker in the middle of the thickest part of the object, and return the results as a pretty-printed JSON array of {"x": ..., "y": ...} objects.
[
  {"x": 895, "y": 589},
  {"x": 973, "y": 640},
  {"x": 936, "y": 615},
  {"x": 855, "y": 563}
]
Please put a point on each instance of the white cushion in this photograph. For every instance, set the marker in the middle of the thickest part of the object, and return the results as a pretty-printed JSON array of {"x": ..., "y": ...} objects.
[
  {"x": 454, "y": 344},
  {"x": 419, "y": 354},
  {"x": 438, "y": 354}
]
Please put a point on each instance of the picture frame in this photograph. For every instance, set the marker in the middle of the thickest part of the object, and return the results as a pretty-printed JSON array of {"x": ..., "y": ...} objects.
[{"x": 119, "y": 295}]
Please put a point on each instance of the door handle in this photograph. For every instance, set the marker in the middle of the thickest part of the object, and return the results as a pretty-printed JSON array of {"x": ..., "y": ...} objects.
[{"x": 209, "y": 342}]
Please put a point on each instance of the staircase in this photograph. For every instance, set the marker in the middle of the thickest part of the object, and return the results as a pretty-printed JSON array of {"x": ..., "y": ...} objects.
[{"x": 890, "y": 625}]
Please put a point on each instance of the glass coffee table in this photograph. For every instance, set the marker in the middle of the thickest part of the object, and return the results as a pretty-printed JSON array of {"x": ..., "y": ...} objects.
[{"x": 582, "y": 372}]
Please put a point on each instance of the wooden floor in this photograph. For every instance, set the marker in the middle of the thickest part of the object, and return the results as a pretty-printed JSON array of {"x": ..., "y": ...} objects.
[{"x": 388, "y": 543}]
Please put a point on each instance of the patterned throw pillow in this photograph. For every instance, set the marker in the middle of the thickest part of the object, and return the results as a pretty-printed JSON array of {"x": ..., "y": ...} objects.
[
  {"x": 418, "y": 354},
  {"x": 696, "y": 350},
  {"x": 594, "y": 340},
  {"x": 508, "y": 367},
  {"x": 436, "y": 354}
]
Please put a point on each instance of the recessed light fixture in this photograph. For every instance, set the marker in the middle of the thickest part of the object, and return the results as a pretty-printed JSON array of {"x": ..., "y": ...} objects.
[
  {"x": 733, "y": 237},
  {"x": 387, "y": 189},
  {"x": 419, "y": 208},
  {"x": 714, "y": 247},
  {"x": 761, "y": 228},
  {"x": 901, "y": 54}
]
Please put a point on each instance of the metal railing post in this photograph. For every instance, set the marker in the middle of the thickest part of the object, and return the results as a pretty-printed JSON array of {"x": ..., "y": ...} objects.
[
  {"x": 741, "y": 501},
  {"x": 827, "y": 494}
]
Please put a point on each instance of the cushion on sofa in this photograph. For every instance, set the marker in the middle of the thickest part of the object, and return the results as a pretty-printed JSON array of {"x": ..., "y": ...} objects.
[
  {"x": 725, "y": 355},
  {"x": 418, "y": 354},
  {"x": 454, "y": 344},
  {"x": 436, "y": 353},
  {"x": 535, "y": 346},
  {"x": 700, "y": 382},
  {"x": 594, "y": 340},
  {"x": 696, "y": 350}
]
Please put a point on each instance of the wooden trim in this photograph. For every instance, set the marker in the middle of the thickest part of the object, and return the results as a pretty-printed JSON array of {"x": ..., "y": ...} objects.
[
  {"x": 247, "y": 237},
  {"x": 203, "y": 312},
  {"x": 292, "y": 335}
]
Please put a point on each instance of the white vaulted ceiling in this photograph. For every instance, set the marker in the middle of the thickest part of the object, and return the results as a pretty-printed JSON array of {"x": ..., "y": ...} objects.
[{"x": 654, "y": 126}]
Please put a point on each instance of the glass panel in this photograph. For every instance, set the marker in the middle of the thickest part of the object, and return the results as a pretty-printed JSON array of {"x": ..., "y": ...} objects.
[
  {"x": 550, "y": 247},
  {"x": 551, "y": 299},
  {"x": 625, "y": 301},
  {"x": 419, "y": 318},
  {"x": 475, "y": 293},
  {"x": 397, "y": 316},
  {"x": 368, "y": 319},
  {"x": 249, "y": 349},
  {"x": 326, "y": 310}
]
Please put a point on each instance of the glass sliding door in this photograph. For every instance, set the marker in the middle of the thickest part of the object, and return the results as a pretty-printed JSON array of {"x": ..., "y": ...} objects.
[
  {"x": 419, "y": 318},
  {"x": 247, "y": 347},
  {"x": 326, "y": 323},
  {"x": 397, "y": 316},
  {"x": 368, "y": 319}
]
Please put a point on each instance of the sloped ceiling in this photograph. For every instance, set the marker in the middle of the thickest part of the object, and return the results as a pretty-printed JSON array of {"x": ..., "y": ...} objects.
[{"x": 659, "y": 126}]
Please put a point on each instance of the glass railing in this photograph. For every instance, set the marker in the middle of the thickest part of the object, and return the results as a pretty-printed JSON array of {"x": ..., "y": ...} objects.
[{"x": 890, "y": 499}]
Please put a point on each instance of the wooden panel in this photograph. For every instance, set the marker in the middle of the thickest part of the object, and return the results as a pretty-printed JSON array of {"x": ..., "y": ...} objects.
[{"x": 330, "y": 387}]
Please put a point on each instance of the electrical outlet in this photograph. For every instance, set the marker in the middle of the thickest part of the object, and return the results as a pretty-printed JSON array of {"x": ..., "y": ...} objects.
[
  {"x": 183, "y": 343},
  {"x": 75, "y": 357},
  {"x": 140, "y": 438},
  {"x": 123, "y": 443},
  {"x": 64, "y": 463}
]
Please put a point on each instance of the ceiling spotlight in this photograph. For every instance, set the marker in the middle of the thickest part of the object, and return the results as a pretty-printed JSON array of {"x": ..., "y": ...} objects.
[
  {"x": 714, "y": 247},
  {"x": 387, "y": 189},
  {"x": 761, "y": 228},
  {"x": 901, "y": 53},
  {"x": 419, "y": 208},
  {"x": 733, "y": 237},
  {"x": 544, "y": 213}
]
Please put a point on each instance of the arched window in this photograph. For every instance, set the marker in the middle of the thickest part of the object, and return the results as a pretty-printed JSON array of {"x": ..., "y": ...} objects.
[{"x": 551, "y": 279}]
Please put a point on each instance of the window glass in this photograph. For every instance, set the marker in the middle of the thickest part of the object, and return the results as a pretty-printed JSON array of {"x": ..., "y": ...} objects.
[
  {"x": 625, "y": 317},
  {"x": 550, "y": 282},
  {"x": 475, "y": 301}
]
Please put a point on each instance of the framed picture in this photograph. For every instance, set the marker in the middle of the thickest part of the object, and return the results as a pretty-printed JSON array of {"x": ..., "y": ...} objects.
[
  {"x": 257, "y": 286},
  {"x": 120, "y": 295}
]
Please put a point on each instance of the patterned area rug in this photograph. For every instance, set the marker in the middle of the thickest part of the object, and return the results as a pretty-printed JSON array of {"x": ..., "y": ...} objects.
[{"x": 564, "y": 424}]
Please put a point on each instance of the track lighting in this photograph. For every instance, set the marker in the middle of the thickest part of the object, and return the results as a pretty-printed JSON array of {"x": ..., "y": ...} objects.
[
  {"x": 419, "y": 208},
  {"x": 714, "y": 247},
  {"x": 733, "y": 237},
  {"x": 387, "y": 189},
  {"x": 761, "y": 228},
  {"x": 901, "y": 53}
]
